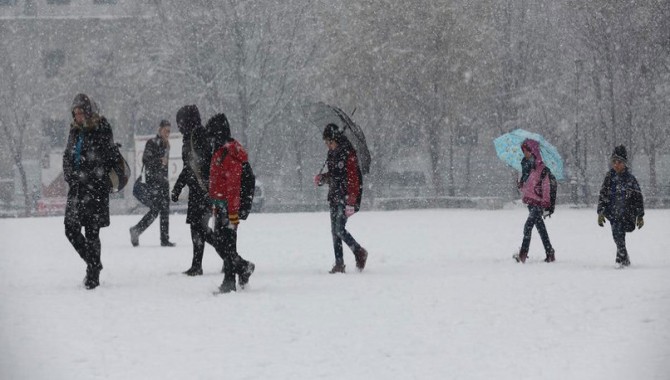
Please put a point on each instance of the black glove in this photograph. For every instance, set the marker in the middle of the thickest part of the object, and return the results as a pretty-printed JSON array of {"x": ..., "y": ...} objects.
[{"x": 175, "y": 194}]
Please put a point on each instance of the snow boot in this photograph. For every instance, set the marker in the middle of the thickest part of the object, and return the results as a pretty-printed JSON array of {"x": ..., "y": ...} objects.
[
  {"x": 361, "y": 257},
  {"x": 622, "y": 258},
  {"x": 194, "y": 271},
  {"x": 338, "y": 268},
  {"x": 134, "y": 237},
  {"x": 228, "y": 284},
  {"x": 167, "y": 243},
  {"x": 244, "y": 270},
  {"x": 92, "y": 279},
  {"x": 521, "y": 256},
  {"x": 551, "y": 256}
]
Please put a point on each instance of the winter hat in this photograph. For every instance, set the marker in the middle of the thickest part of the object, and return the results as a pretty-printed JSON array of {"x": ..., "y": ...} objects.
[
  {"x": 164, "y": 123},
  {"x": 82, "y": 101},
  {"x": 218, "y": 128},
  {"x": 332, "y": 132},
  {"x": 620, "y": 154},
  {"x": 188, "y": 118}
]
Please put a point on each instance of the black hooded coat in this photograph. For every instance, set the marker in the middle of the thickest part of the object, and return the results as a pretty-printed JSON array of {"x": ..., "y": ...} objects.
[
  {"x": 86, "y": 172},
  {"x": 196, "y": 154}
]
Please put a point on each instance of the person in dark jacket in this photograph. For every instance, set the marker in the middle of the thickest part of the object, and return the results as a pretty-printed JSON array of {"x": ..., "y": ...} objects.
[
  {"x": 155, "y": 160},
  {"x": 344, "y": 194},
  {"x": 196, "y": 153},
  {"x": 225, "y": 183},
  {"x": 621, "y": 203},
  {"x": 88, "y": 158}
]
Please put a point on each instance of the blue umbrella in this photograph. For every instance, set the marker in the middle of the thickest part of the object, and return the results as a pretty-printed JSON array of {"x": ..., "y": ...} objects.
[{"x": 508, "y": 148}]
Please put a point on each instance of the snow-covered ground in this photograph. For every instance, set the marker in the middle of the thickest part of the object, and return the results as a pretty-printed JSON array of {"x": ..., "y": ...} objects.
[{"x": 441, "y": 299}]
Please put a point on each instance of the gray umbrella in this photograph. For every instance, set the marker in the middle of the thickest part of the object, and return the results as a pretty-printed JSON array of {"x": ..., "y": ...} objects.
[{"x": 321, "y": 114}]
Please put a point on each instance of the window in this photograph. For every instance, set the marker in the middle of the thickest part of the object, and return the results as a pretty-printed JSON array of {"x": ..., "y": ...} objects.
[
  {"x": 58, "y": 2},
  {"x": 53, "y": 61}
]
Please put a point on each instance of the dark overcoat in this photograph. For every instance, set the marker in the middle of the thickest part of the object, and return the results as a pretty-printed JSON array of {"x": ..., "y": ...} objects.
[
  {"x": 196, "y": 154},
  {"x": 620, "y": 199},
  {"x": 89, "y": 156}
]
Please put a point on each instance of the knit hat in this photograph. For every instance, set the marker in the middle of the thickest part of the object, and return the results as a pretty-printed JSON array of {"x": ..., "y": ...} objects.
[
  {"x": 84, "y": 102},
  {"x": 620, "y": 154},
  {"x": 332, "y": 132},
  {"x": 218, "y": 129},
  {"x": 188, "y": 118},
  {"x": 164, "y": 123}
]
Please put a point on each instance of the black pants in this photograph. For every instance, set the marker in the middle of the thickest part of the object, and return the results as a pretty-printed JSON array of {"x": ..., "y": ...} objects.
[
  {"x": 87, "y": 246},
  {"x": 338, "y": 221},
  {"x": 619, "y": 235},
  {"x": 200, "y": 234},
  {"x": 160, "y": 206},
  {"x": 535, "y": 219},
  {"x": 225, "y": 241}
]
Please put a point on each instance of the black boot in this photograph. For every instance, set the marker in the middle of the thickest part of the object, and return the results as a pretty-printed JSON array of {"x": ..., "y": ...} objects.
[
  {"x": 228, "y": 284},
  {"x": 622, "y": 258},
  {"x": 167, "y": 243},
  {"x": 244, "y": 269},
  {"x": 194, "y": 271},
  {"x": 134, "y": 237},
  {"x": 92, "y": 279}
]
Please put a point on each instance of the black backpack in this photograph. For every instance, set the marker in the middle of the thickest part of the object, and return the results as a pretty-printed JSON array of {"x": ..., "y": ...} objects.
[
  {"x": 247, "y": 190},
  {"x": 553, "y": 186}
]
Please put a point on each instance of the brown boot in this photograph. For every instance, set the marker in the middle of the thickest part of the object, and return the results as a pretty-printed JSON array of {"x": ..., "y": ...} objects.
[
  {"x": 337, "y": 268},
  {"x": 361, "y": 257},
  {"x": 551, "y": 257},
  {"x": 521, "y": 256}
]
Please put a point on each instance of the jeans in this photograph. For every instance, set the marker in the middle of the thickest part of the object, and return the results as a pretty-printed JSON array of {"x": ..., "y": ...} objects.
[
  {"x": 535, "y": 219},
  {"x": 338, "y": 221}
]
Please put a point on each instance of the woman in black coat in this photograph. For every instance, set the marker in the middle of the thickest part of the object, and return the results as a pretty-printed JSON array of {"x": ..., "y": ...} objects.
[
  {"x": 89, "y": 156},
  {"x": 196, "y": 153}
]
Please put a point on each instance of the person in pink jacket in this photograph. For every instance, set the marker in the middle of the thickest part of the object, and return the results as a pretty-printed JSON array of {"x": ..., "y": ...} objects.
[{"x": 535, "y": 191}]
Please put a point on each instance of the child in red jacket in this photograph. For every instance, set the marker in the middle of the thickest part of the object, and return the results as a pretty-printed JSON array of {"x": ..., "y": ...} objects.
[{"x": 225, "y": 177}]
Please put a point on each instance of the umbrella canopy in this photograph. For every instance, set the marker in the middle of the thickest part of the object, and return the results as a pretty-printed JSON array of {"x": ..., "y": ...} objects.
[
  {"x": 321, "y": 114},
  {"x": 508, "y": 148}
]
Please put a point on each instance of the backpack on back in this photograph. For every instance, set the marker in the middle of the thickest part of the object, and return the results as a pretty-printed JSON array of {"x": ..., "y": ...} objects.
[
  {"x": 553, "y": 187},
  {"x": 247, "y": 190}
]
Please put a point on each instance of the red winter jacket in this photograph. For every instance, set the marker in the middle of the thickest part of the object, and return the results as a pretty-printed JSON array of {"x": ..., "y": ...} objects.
[{"x": 225, "y": 176}]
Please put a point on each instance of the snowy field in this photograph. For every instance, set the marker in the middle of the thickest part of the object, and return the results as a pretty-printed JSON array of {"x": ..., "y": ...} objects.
[{"x": 441, "y": 298}]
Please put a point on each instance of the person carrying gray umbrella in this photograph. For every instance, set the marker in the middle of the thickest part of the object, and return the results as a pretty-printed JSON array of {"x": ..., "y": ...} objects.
[{"x": 345, "y": 182}]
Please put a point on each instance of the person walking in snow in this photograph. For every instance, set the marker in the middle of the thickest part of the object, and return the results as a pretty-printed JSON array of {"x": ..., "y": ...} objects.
[
  {"x": 88, "y": 157},
  {"x": 345, "y": 191},
  {"x": 621, "y": 203},
  {"x": 225, "y": 183},
  {"x": 535, "y": 189},
  {"x": 155, "y": 159},
  {"x": 196, "y": 156}
]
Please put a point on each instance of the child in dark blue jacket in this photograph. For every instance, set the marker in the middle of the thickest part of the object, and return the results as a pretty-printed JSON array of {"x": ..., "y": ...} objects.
[{"x": 621, "y": 203}]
